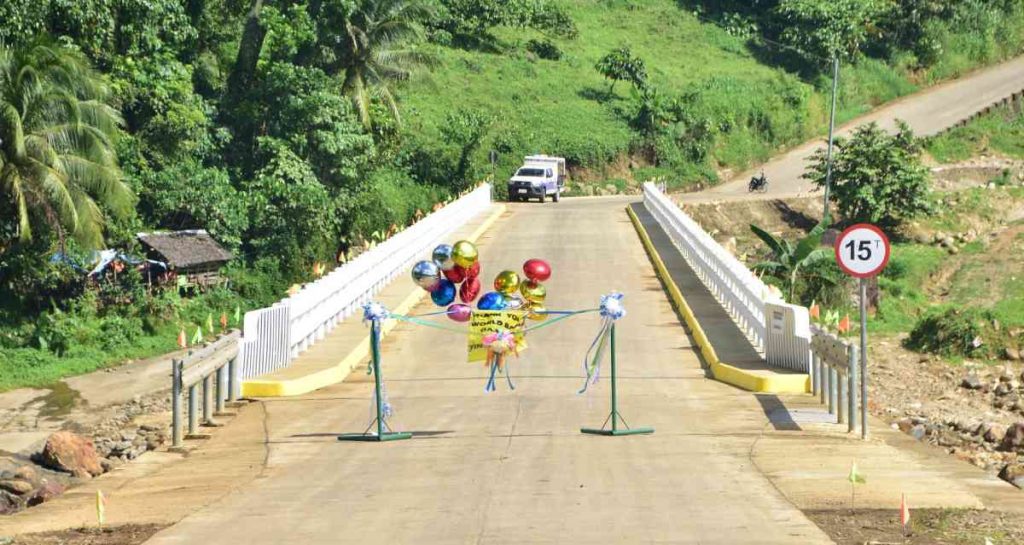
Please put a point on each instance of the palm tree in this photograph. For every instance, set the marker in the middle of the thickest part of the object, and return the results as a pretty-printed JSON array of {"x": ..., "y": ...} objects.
[
  {"x": 378, "y": 48},
  {"x": 788, "y": 261},
  {"x": 57, "y": 163}
]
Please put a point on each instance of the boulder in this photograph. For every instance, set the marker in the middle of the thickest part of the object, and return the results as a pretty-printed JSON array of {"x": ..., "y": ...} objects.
[
  {"x": 995, "y": 433},
  {"x": 46, "y": 492},
  {"x": 1011, "y": 354},
  {"x": 971, "y": 382},
  {"x": 74, "y": 454},
  {"x": 27, "y": 473},
  {"x": 918, "y": 432},
  {"x": 1013, "y": 474},
  {"x": 948, "y": 438},
  {"x": 1013, "y": 441},
  {"x": 16, "y": 487},
  {"x": 1003, "y": 388},
  {"x": 9, "y": 503}
]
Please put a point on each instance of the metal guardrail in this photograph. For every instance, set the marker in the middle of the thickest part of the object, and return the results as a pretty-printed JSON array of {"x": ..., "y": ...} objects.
[
  {"x": 835, "y": 377},
  {"x": 276, "y": 335},
  {"x": 218, "y": 362}
]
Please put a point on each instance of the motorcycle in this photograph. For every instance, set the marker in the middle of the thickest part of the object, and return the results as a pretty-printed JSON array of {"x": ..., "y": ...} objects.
[{"x": 758, "y": 184}]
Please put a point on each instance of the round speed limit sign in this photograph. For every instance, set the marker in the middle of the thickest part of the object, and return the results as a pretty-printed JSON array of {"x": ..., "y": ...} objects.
[{"x": 862, "y": 250}]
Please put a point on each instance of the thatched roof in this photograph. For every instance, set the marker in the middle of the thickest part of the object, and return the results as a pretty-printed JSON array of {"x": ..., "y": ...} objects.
[{"x": 184, "y": 249}]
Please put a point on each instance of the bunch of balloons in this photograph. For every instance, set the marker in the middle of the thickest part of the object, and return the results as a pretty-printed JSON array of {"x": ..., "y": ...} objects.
[
  {"x": 454, "y": 270},
  {"x": 514, "y": 292}
]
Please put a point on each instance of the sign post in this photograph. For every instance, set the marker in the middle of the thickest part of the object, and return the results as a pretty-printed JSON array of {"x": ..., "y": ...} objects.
[{"x": 862, "y": 251}]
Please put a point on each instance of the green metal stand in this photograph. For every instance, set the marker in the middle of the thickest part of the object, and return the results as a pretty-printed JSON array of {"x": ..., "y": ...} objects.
[
  {"x": 615, "y": 416},
  {"x": 383, "y": 432}
]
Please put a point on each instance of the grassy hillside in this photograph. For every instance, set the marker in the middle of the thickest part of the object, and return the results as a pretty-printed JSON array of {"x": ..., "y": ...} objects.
[{"x": 563, "y": 107}]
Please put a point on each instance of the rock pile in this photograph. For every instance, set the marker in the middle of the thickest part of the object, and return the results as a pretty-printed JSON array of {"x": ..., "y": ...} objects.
[
  {"x": 130, "y": 443},
  {"x": 979, "y": 437},
  {"x": 26, "y": 487},
  {"x": 118, "y": 438}
]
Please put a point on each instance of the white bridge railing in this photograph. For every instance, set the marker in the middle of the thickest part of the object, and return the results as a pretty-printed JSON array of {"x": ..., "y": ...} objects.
[
  {"x": 743, "y": 295},
  {"x": 275, "y": 335}
]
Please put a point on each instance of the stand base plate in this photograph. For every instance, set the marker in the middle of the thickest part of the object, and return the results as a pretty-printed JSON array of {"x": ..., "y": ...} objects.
[
  {"x": 389, "y": 436},
  {"x": 631, "y": 431}
]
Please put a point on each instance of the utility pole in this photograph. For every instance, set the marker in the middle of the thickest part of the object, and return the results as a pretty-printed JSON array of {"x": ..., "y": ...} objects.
[{"x": 831, "y": 135}]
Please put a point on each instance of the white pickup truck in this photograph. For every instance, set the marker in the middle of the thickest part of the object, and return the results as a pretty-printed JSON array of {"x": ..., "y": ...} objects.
[{"x": 539, "y": 177}]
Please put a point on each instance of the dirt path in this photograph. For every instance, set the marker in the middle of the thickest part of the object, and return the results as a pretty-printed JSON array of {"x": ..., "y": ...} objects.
[{"x": 928, "y": 112}]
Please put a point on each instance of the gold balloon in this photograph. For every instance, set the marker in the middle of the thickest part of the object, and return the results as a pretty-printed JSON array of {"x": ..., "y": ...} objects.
[
  {"x": 464, "y": 253},
  {"x": 534, "y": 292},
  {"x": 537, "y": 313},
  {"x": 506, "y": 283}
]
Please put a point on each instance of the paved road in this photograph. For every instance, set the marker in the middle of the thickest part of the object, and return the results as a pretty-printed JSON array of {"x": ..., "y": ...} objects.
[
  {"x": 928, "y": 112},
  {"x": 511, "y": 467}
]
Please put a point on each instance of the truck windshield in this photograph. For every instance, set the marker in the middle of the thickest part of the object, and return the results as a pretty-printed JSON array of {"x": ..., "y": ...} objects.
[{"x": 537, "y": 172}]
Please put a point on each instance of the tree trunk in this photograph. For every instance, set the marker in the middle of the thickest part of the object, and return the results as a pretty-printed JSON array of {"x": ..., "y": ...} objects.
[
  {"x": 244, "y": 71},
  {"x": 195, "y": 9},
  {"x": 239, "y": 86}
]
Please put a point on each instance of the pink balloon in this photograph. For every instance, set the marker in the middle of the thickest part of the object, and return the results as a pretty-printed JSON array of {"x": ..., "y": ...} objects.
[{"x": 460, "y": 312}]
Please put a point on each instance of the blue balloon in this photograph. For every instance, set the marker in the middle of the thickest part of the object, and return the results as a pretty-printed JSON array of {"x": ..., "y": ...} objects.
[
  {"x": 491, "y": 300},
  {"x": 444, "y": 293}
]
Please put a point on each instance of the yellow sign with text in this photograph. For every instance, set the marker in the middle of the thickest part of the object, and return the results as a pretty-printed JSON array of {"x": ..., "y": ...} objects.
[{"x": 493, "y": 321}]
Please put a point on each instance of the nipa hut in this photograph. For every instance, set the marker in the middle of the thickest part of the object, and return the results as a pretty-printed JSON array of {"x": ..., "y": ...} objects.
[{"x": 192, "y": 256}]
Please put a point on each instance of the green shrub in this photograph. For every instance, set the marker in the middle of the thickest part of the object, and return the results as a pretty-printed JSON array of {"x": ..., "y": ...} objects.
[
  {"x": 957, "y": 332},
  {"x": 118, "y": 332},
  {"x": 545, "y": 49}
]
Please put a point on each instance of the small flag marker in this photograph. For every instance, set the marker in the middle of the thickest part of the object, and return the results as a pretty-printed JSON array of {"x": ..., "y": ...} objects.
[
  {"x": 905, "y": 515},
  {"x": 844, "y": 325},
  {"x": 182, "y": 340},
  {"x": 101, "y": 508},
  {"x": 855, "y": 478}
]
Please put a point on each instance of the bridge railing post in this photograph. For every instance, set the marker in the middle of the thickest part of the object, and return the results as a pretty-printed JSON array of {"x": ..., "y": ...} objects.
[
  {"x": 222, "y": 388},
  {"x": 851, "y": 388},
  {"x": 207, "y": 400},
  {"x": 193, "y": 409},
  {"x": 176, "y": 367}
]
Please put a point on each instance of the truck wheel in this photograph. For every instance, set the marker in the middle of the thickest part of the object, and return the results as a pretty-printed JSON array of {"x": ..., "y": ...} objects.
[{"x": 558, "y": 194}]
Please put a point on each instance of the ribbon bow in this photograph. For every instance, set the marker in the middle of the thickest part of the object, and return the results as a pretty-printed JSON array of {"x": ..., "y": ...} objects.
[
  {"x": 374, "y": 311},
  {"x": 611, "y": 309},
  {"x": 498, "y": 344}
]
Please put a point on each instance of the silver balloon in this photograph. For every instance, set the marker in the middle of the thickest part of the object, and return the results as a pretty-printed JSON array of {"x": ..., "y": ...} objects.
[
  {"x": 443, "y": 256},
  {"x": 427, "y": 275},
  {"x": 514, "y": 303}
]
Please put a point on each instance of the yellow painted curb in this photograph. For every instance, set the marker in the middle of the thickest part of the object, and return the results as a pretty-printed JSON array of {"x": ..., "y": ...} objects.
[
  {"x": 337, "y": 373},
  {"x": 778, "y": 384}
]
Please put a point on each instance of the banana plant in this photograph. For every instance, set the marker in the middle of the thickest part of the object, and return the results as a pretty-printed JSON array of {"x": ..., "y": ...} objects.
[{"x": 787, "y": 260}]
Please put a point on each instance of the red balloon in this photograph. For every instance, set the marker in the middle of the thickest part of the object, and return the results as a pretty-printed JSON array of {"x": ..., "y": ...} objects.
[
  {"x": 473, "y": 271},
  {"x": 537, "y": 270},
  {"x": 455, "y": 274},
  {"x": 469, "y": 290}
]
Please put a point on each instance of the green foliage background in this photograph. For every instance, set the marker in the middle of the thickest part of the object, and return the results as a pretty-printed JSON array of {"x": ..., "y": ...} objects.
[{"x": 236, "y": 122}]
